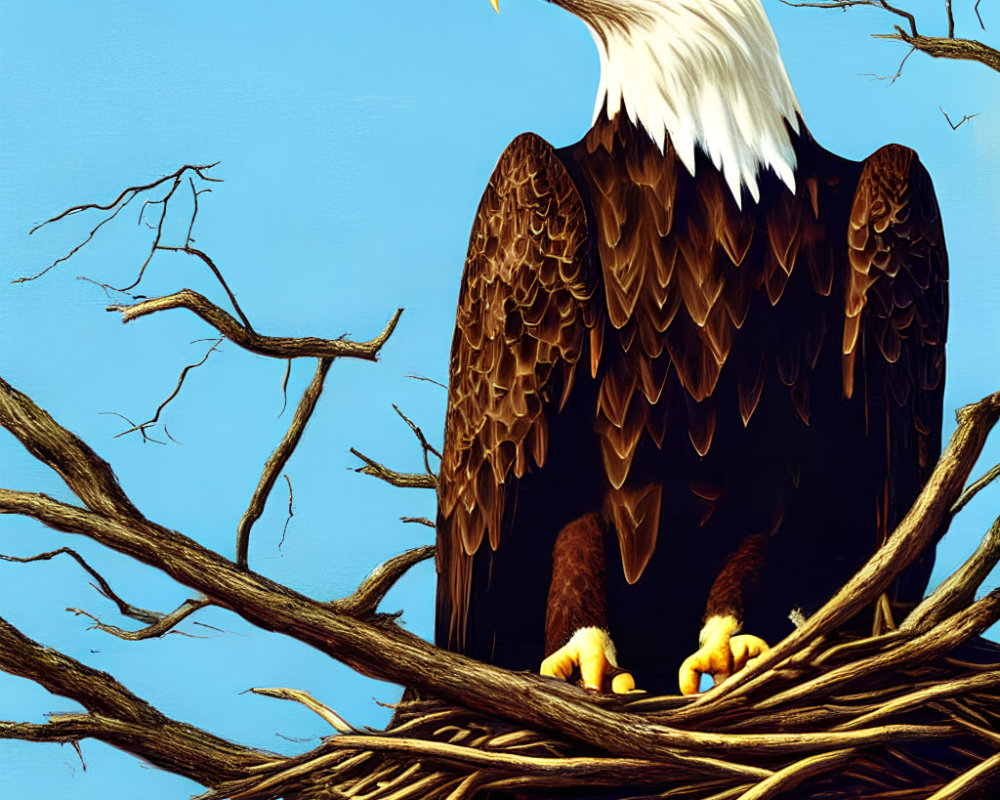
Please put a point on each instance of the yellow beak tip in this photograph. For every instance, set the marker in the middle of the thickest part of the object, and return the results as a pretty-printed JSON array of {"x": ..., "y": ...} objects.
[{"x": 496, "y": 5}]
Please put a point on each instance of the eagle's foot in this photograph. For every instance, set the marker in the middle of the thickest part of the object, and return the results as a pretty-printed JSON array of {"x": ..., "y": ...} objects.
[
  {"x": 721, "y": 653},
  {"x": 591, "y": 653}
]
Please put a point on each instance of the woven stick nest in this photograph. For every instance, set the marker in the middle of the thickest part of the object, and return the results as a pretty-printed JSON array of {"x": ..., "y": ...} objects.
[{"x": 912, "y": 711}]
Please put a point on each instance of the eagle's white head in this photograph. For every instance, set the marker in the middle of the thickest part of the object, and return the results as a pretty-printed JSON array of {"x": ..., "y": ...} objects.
[{"x": 706, "y": 73}]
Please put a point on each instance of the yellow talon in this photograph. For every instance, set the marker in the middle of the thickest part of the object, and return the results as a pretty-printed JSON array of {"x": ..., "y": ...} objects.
[
  {"x": 722, "y": 654},
  {"x": 592, "y": 651}
]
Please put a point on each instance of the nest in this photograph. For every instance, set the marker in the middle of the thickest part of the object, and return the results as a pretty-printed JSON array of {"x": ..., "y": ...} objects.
[{"x": 913, "y": 712}]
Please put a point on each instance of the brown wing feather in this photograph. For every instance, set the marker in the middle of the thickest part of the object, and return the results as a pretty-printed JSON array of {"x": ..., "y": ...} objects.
[
  {"x": 520, "y": 330},
  {"x": 896, "y": 319}
]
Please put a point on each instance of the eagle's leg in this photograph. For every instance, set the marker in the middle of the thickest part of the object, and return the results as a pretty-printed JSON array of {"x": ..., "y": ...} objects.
[
  {"x": 721, "y": 652},
  {"x": 576, "y": 615}
]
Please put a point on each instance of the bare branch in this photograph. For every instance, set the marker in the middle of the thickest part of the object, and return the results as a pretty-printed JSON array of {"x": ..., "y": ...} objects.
[
  {"x": 278, "y": 460},
  {"x": 405, "y": 480},
  {"x": 143, "y": 426},
  {"x": 975, "y": 487},
  {"x": 427, "y": 447},
  {"x": 117, "y": 716},
  {"x": 956, "y": 125},
  {"x": 418, "y": 521},
  {"x": 85, "y": 473},
  {"x": 191, "y": 251},
  {"x": 533, "y": 699},
  {"x": 941, "y": 47},
  {"x": 272, "y": 346},
  {"x": 365, "y": 600},
  {"x": 935, "y": 46},
  {"x": 337, "y": 722},
  {"x": 960, "y": 588},
  {"x": 103, "y": 587},
  {"x": 161, "y": 627}
]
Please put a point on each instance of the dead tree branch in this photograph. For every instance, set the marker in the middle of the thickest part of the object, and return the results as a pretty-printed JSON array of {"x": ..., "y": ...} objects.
[
  {"x": 271, "y": 346},
  {"x": 117, "y": 716},
  {"x": 278, "y": 460},
  {"x": 161, "y": 627},
  {"x": 935, "y": 46},
  {"x": 102, "y": 586},
  {"x": 365, "y": 601},
  {"x": 404, "y": 480},
  {"x": 142, "y": 427}
]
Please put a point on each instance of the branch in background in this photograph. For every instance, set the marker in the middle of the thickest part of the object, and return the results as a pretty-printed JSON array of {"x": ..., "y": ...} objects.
[
  {"x": 364, "y": 602},
  {"x": 102, "y": 586},
  {"x": 159, "y": 628},
  {"x": 426, "y": 447},
  {"x": 115, "y": 207},
  {"x": 960, "y": 588},
  {"x": 956, "y": 125},
  {"x": 935, "y": 46},
  {"x": 88, "y": 475},
  {"x": 142, "y": 427},
  {"x": 975, "y": 487},
  {"x": 418, "y": 521},
  {"x": 404, "y": 480},
  {"x": 337, "y": 722},
  {"x": 271, "y": 346},
  {"x": 278, "y": 459},
  {"x": 117, "y": 716}
]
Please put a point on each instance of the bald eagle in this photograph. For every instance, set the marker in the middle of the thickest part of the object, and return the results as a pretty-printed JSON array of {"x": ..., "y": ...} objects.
[{"x": 697, "y": 368}]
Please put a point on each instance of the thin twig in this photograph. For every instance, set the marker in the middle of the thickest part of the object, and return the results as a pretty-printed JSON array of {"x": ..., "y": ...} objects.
[
  {"x": 278, "y": 460},
  {"x": 102, "y": 586},
  {"x": 405, "y": 480},
  {"x": 161, "y": 627},
  {"x": 956, "y": 125},
  {"x": 273, "y": 346},
  {"x": 365, "y": 600},
  {"x": 418, "y": 521},
  {"x": 143, "y": 426},
  {"x": 975, "y": 487},
  {"x": 337, "y": 722}
]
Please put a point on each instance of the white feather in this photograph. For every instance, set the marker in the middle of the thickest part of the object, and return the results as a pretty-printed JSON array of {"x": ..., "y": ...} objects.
[{"x": 706, "y": 73}]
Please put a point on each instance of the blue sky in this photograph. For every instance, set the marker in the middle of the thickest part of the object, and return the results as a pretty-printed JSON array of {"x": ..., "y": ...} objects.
[{"x": 355, "y": 141}]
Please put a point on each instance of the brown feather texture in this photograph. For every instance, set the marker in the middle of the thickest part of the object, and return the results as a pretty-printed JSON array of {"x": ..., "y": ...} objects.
[{"x": 633, "y": 343}]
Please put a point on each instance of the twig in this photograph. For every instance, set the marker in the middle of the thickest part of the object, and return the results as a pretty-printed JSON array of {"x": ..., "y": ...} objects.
[
  {"x": 418, "y": 521},
  {"x": 792, "y": 775},
  {"x": 960, "y": 588},
  {"x": 142, "y": 426},
  {"x": 278, "y": 459},
  {"x": 975, "y": 487},
  {"x": 291, "y": 512},
  {"x": 365, "y": 600},
  {"x": 427, "y": 447},
  {"x": 191, "y": 251},
  {"x": 337, "y": 722},
  {"x": 103, "y": 587},
  {"x": 956, "y": 125},
  {"x": 416, "y": 377},
  {"x": 970, "y": 783},
  {"x": 405, "y": 480},
  {"x": 161, "y": 627},
  {"x": 272, "y": 346}
]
